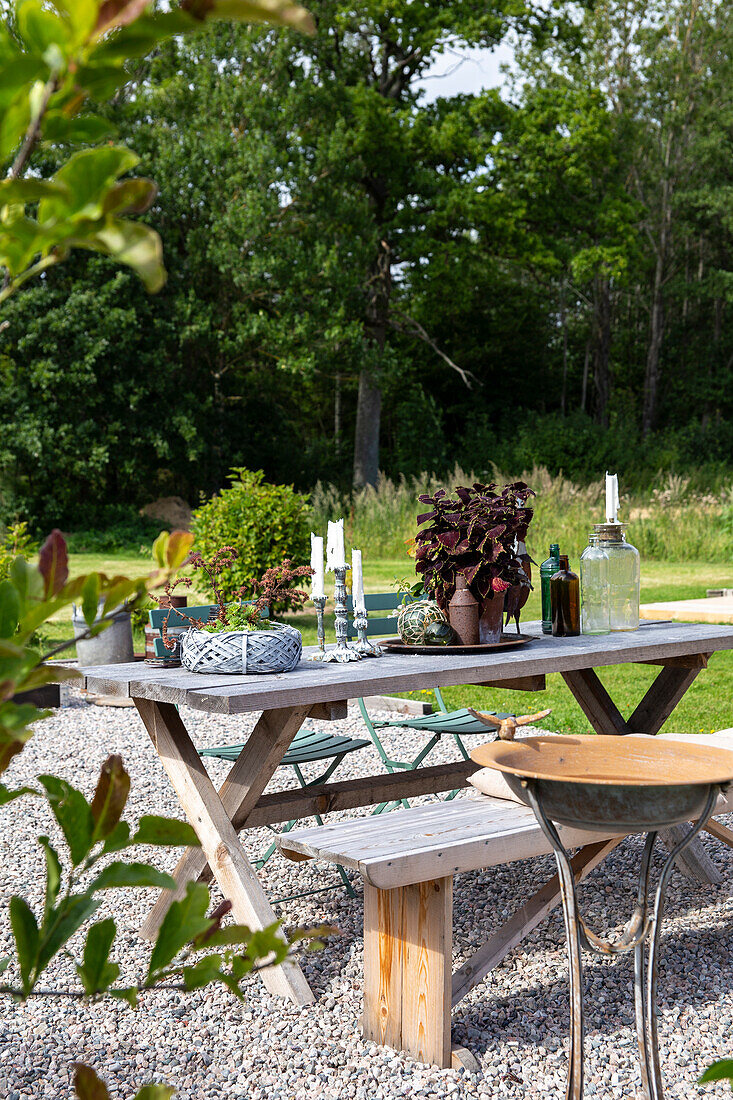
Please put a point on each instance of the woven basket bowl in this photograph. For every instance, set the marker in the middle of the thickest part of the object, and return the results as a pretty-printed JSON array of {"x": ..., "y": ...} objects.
[{"x": 242, "y": 651}]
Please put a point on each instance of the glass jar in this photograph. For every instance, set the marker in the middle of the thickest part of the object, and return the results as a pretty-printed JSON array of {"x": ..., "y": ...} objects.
[
  {"x": 624, "y": 576},
  {"x": 594, "y": 594}
]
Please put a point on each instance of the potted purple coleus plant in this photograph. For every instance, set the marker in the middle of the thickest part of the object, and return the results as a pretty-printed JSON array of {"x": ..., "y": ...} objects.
[{"x": 479, "y": 532}]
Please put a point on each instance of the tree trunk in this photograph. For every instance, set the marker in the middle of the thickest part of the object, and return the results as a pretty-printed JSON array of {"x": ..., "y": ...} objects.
[
  {"x": 369, "y": 400},
  {"x": 586, "y": 366},
  {"x": 656, "y": 313},
  {"x": 564, "y": 323},
  {"x": 602, "y": 348},
  {"x": 337, "y": 414},
  {"x": 656, "y": 335},
  {"x": 715, "y": 359},
  {"x": 366, "y": 437}
]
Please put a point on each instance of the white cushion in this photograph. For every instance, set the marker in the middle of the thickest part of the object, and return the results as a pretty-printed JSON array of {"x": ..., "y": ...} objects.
[{"x": 490, "y": 781}]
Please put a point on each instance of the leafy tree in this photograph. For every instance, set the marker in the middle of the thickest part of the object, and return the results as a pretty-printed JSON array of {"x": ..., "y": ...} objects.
[
  {"x": 631, "y": 93},
  {"x": 520, "y": 233},
  {"x": 352, "y": 185}
]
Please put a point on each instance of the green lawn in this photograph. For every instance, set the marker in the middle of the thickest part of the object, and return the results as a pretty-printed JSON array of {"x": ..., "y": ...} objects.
[{"x": 706, "y": 706}]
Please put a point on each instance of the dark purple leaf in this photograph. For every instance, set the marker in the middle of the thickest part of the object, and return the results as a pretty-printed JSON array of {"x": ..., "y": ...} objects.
[
  {"x": 53, "y": 563},
  {"x": 449, "y": 539},
  {"x": 470, "y": 571},
  {"x": 426, "y": 516},
  {"x": 483, "y": 585}
]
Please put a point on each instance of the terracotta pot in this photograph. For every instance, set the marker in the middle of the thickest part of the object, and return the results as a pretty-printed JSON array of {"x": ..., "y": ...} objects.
[
  {"x": 490, "y": 620},
  {"x": 463, "y": 613}
]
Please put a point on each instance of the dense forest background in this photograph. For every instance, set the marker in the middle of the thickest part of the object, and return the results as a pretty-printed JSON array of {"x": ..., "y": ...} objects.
[{"x": 360, "y": 279}]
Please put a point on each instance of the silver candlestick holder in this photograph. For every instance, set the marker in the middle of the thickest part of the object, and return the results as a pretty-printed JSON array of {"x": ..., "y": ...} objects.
[
  {"x": 343, "y": 651},
  {"x": 320, "y": 602},
  {"x": 363, "y": 646}
]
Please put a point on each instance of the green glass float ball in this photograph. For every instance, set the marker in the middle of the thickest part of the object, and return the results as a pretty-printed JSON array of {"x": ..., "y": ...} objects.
[
  {"x": 439, "y": 634},
  {"x": 415, "y": 617}
]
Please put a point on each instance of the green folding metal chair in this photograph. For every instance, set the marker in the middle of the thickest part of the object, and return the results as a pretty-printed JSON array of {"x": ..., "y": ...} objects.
[
  {"x": 308, "y": 746},
  {"x": 455, "y": 723}
]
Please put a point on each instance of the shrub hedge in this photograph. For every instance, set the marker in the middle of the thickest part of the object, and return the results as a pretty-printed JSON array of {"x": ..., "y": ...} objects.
[{"x": 264, "y": 523}]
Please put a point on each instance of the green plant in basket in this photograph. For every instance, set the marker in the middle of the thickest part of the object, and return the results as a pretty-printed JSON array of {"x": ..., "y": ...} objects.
[
  {"x": 244, "y": 617},
  {"x": 240, "y": 637}
]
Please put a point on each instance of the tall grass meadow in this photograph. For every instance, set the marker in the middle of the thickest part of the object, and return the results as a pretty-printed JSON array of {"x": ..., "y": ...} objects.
[{"x": 673, "y": 521}]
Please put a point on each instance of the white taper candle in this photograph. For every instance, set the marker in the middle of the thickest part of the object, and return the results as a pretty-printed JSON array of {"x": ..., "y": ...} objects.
[
  {"x": 335, "y": 555},
  {"x": 357, "y": 581},
  {"x": 611, "y": 498},
  {"x": 318, "y": 580}
]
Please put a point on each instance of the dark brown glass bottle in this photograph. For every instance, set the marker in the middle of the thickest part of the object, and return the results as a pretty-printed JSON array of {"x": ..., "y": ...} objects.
[{"x": 565, "y": 601}]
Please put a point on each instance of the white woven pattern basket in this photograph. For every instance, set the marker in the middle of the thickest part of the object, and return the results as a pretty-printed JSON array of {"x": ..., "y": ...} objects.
[{"x": 239, "y": 651}]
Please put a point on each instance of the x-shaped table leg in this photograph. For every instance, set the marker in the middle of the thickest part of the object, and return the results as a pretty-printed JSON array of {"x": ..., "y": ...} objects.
[
  {"x": 662, "y": 697},
  {"x": 650, "y": 715},
  {"x": 211, "y": 813}
]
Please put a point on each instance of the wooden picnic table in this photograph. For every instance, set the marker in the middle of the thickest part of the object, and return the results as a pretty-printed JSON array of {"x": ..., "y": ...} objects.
[{"x": 321, "y": 691}]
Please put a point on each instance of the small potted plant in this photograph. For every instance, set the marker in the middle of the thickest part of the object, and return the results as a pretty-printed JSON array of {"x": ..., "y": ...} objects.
[
  {"x": 476, "y": 532},
  {"x": 240, "y": 637}
]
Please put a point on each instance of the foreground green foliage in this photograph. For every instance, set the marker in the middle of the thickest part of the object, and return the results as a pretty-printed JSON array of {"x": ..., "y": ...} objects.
[
  {"x": 192, "y": 948},
  {"x": 57, "y": 59},
  {"x": 95, "y": 835},
  {"x": 88, "y": 1086},
  {"x": 719, "y": 1071}
]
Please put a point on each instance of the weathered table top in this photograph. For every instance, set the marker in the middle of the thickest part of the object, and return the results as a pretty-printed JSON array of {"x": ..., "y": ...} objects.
[{"x": 314, "y": 682}]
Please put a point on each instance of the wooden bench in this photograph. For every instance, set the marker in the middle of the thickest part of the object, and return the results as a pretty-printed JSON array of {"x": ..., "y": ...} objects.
[{"x": 408, "y": 860}]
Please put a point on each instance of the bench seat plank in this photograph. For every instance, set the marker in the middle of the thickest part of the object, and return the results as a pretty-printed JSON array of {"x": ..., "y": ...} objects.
[{"x": 426, "y": 842}]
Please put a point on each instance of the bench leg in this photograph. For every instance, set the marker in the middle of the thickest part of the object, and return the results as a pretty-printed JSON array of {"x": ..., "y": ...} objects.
[
  {"x": 408, "y": 946},
  {"x": 720, "y": 832}
]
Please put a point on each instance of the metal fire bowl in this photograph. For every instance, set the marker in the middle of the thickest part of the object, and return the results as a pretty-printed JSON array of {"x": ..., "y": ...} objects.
[{"x": 607, "y": 783}]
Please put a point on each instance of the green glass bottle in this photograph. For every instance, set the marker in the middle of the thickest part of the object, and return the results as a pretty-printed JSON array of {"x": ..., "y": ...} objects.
[{"x": 547, "y": 570}]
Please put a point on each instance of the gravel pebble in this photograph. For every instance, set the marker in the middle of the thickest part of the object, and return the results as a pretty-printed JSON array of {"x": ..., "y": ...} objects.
[{"x": 207, "y": 1044}]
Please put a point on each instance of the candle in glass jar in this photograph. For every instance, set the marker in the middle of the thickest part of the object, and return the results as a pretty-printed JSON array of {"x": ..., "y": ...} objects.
[
  {"x": 611, "y": 498},
  {"x": 357, "y": 581},
  {"x": 335, "y": 554},
  {"x": 318, "y": 580}
]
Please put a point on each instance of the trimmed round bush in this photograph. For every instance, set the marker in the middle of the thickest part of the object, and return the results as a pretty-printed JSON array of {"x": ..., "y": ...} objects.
[{"x": 264, "y": 523}]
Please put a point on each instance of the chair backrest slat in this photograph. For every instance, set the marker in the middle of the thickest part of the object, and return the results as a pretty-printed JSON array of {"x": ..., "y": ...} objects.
[
  {"x": 157, "y": 616},
  {"x": 379, "y": 601}
]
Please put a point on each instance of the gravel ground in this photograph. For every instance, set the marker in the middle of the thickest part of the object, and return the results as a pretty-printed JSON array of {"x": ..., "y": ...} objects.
[{"x": 209, "y": 1045}]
